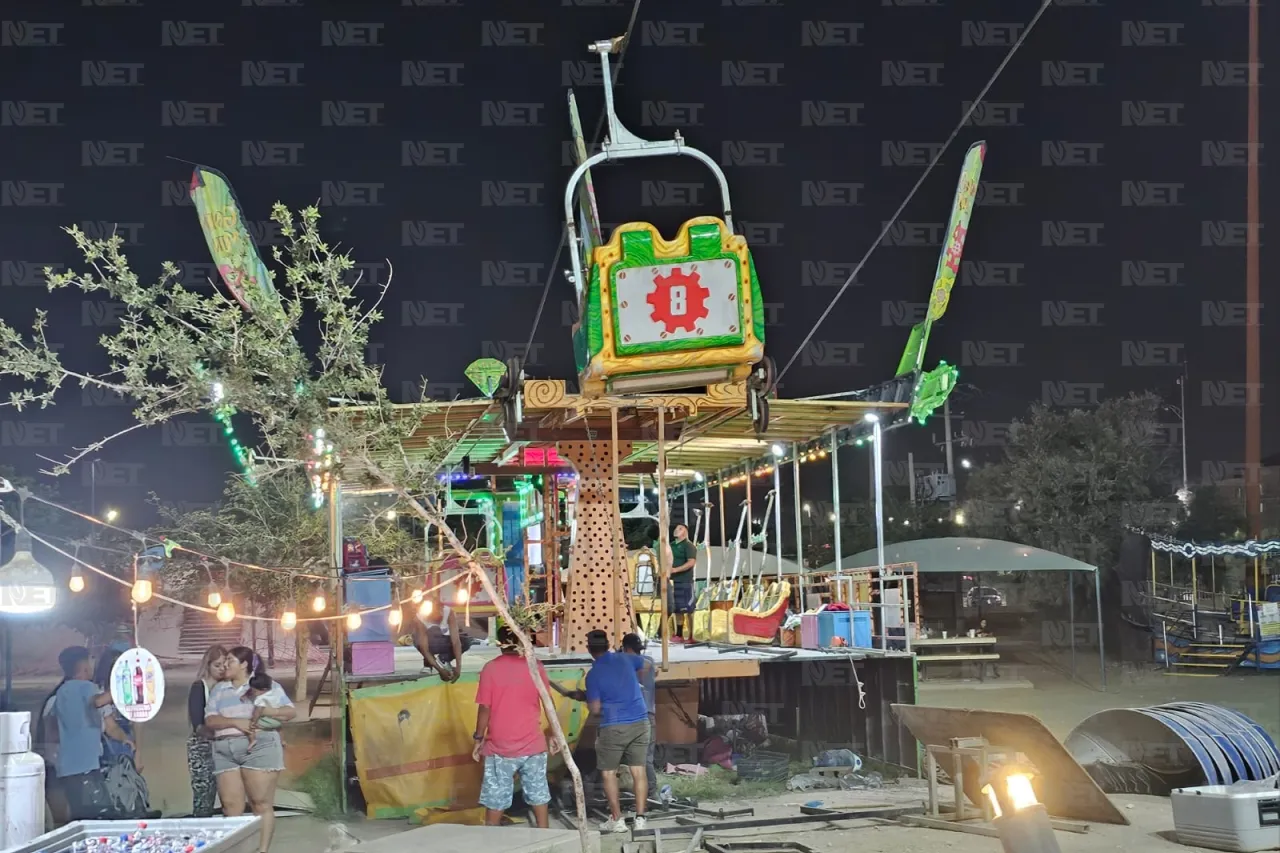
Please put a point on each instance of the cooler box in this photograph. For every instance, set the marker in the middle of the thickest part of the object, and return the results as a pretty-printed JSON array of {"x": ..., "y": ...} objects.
[
  {"x": 373, "y": 658},
  {"x": 861, "y": 629},
  {"x": 834, "y": 623},
  {"x": 365, "y": 590},
  {"x": 809, "y": 631},
  {"x": 1241, "y": 817}
]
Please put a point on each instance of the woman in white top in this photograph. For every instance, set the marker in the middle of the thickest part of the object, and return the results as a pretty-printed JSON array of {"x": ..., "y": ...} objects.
[{"x": 245, "y": 769}]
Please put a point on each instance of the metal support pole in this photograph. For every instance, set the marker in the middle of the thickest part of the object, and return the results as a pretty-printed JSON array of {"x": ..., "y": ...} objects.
[
  {"x": 750, "y": 572},
  {"x": 1071, "y": 616},
  {"x": 337, "y": 640},
  {"x": 685, "y": 501},
  {"x": 911, "y": 477},
  {"x": 724, "y": 534},
  {"x": 1182, "y": 412},
  {"x": 706, "y": 529},
  {"x": 1195, "y": 601},
  {"x": 835, "y": 503},
  {"x": 1102, "y": 654},
  {"x": 664, "y": 535},
  {"x": 777, "y": 513},
  {"x": 795, "y": 483},
  {"x": 878, "y": 436}
]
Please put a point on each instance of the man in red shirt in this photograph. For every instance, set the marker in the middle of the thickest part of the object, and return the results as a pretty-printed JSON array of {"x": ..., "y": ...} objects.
[{"x": 509, "y": 733}]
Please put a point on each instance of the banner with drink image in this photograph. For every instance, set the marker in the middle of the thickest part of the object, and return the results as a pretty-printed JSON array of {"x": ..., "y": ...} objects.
[{"x": 137, "y": 685}]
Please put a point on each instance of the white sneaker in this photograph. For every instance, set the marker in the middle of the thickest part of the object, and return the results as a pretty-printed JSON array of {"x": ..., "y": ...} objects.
[
  {"x": 640, "y": 822},
  {"x": 618, "y": 826}
]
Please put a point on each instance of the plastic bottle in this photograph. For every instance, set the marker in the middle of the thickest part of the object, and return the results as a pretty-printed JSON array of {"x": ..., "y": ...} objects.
[
  {"x": 150, "y": 683},
  {"x": 139, "y": 697}
]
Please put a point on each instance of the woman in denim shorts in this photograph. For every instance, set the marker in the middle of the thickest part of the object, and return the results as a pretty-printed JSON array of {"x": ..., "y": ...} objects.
[{"x": 247, "y": 767}]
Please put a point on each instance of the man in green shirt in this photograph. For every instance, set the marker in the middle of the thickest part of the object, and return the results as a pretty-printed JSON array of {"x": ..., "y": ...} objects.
[{"x": 680, "y": 586}]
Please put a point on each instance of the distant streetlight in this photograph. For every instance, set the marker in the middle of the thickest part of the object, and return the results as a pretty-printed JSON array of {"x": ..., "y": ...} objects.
[
  {"x": 112, "y": 515},
  {"x": 966, "y": 464}
]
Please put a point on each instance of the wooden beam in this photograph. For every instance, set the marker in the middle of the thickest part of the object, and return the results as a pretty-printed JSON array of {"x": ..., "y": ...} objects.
[
  {"x": 532, "y": 433},
  {"x": 490, "y": 469}
]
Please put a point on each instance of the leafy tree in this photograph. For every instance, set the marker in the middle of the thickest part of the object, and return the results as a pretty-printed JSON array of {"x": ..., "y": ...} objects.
[
  {"x": 178, "y": 352},
  {"x": 1212, "y": 518},
  {"x": 268, "y": 525},
  {"x": 1071, "y": 480}
]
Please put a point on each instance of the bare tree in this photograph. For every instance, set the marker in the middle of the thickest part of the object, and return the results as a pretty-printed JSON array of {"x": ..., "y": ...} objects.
[{"x": 178, "y": 352}]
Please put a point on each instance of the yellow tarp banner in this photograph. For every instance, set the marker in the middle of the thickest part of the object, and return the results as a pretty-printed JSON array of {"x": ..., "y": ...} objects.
[{"x": 413, "y": 742}]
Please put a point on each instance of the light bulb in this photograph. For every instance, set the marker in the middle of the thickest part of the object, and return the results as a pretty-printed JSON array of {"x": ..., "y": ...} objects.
[
  {"x": 461, "y": 596},
  {"x": 226, "y": 611},
  {"x": 318, "y": 603},
  {"x": 76, "y": 583},
  {"x": 424, "y": 610},
  {"x": 353, "y": 621},
  {"x": 416, "y": 596},
  {"x": 289, "y": 620},
  {"x": 215, "y": 597},
  {"x": 395, "y": 617},
  {"x": 141, "y": 593}
]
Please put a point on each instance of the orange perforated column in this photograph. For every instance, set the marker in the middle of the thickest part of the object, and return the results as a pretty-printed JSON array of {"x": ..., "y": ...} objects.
[{"x": 595, "y": 581}]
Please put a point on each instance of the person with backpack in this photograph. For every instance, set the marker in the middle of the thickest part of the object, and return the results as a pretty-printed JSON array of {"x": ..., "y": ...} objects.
[{"x": 121, "y": 767}]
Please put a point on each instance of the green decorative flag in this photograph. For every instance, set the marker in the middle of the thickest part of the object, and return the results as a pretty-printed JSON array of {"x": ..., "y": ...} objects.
[
  {"x": 485, "y": 374},
  {"x": 949, "y": 260},
  {"x": 932, "y": 390},
  {"x": 229, "y": 241}
]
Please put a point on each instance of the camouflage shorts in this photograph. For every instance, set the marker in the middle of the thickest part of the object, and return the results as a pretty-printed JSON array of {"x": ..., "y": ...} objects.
[{"x": 498, "y": 787}]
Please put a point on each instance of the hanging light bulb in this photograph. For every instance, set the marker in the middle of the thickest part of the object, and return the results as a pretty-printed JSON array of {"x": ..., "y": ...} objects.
[
  {"x": 214, "y": 596},
  {"x": 416, "y": 596},
  {"x": 353, "y": 621},
  {"x": 289, "y": 619},
  {"x": 77, "y": 581},
  {"x": 395, "y": 618},
  {"x": 318, "y": 603},
  {"x": 141, "y": 592},
  {"x": 461, "y": 596},
  {"x": 226, "y": 612},
  {"x": 424, "y": 609}
]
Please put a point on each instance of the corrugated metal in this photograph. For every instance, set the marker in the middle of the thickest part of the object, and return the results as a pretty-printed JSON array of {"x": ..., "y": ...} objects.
[{"x": 817, "y": 704}]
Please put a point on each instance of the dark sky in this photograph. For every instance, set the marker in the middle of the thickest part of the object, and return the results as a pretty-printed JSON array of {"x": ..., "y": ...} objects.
[{"x": 1094, "y": 266}]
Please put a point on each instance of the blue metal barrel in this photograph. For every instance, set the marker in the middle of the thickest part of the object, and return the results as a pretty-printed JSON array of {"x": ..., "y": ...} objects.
[{"x": 1208, "y": 743}]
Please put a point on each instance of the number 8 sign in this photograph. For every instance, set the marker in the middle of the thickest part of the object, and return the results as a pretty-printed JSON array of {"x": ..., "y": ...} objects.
[{"x": 684, "y": 302}]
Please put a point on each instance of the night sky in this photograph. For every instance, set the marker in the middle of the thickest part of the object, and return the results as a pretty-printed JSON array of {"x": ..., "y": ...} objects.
[{"x": 1106, "y": 250}]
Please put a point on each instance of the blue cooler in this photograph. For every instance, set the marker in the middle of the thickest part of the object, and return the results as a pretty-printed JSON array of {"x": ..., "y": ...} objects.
[
  {"x": 366, "y": 590},
  {"x": 833, "y": 623},
  {"x": 861, "y": 629}
]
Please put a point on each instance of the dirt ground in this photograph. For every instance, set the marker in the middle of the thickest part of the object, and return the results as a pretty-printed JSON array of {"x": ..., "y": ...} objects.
[{"x": 1058, "y": 702}]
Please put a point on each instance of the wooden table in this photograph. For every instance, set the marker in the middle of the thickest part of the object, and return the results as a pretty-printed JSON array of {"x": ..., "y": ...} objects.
[{"x": 979, "y": 649}]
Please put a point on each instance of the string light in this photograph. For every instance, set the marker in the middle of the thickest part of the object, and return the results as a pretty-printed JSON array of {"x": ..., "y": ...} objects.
[
  {"x": 318, "y": 604},
  {"x": 320, "y": 466},
  {"x": 353, "y": 621},
  {"x": 424, "y": 609},
  {"x": 77, "y": 580},
  {"x": 462, "y": 595},
  {"x": 213, "y": 596},
  {"x": 141, "y": 592},
  {"x": 289, "y": 619},
  {"x": 226, "y": 612},
  {"x": 416, "y": 596}
]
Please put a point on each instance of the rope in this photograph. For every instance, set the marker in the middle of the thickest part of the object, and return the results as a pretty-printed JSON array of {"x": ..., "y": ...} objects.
[{"x": 1044, "y": 5}]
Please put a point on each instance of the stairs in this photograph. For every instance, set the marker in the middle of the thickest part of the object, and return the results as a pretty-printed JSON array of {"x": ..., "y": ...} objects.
[
  {"x": 1208, "y": 658},
  {"x": 201, "y": 630}
]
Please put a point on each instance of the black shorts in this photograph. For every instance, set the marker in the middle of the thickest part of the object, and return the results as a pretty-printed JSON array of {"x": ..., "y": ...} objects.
[{"x": 680, "y": 598}]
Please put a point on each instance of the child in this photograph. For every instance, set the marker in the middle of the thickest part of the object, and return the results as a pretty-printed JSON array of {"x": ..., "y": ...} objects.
[{"x": 261, "y": 699}]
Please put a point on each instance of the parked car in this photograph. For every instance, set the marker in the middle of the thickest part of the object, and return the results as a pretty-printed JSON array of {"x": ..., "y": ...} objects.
[{"x": 984, "y": 596}]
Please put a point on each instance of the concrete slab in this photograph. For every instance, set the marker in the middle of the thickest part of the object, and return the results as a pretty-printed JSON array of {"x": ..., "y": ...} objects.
[{"x": 449, "y": 838}]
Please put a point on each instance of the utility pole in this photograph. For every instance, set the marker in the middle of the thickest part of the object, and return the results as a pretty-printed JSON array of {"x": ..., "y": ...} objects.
[
  {"x": 1185, "y": 494},
  {"x": 1253, "y": 371},
  {"x": 946, "y": 425}
]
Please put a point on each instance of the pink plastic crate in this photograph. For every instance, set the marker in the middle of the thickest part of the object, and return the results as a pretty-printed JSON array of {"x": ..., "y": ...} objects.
[
  {"x": 809, "y": 631},
  {"x": 373, "y": 658}
]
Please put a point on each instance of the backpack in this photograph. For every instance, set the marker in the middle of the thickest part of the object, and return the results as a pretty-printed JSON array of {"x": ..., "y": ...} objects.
[{"x": 125, "y": 788}]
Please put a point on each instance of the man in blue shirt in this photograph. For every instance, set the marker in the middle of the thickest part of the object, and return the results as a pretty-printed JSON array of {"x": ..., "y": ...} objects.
[
  {"x": 614, "y": 697},
  {"x": 76, "y": 705},
  {"x": 633, "y": 648}
]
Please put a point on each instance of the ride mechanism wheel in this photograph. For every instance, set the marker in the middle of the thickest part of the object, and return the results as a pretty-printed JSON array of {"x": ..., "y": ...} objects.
[
  {"x": 759, "y": 388},
  {"x": 511, "y": 392}
]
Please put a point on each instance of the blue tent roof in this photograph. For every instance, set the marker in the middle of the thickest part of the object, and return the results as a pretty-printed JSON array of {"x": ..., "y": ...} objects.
[{"x": 967, "y": 555}]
